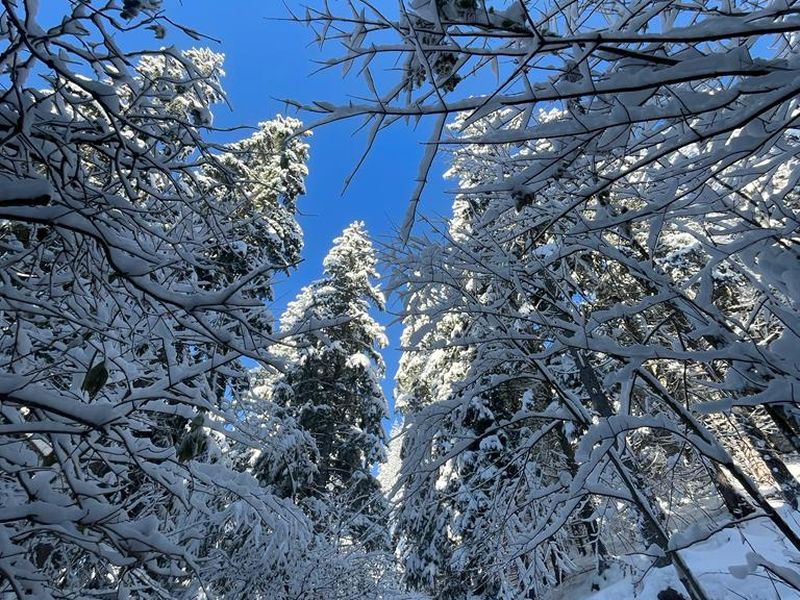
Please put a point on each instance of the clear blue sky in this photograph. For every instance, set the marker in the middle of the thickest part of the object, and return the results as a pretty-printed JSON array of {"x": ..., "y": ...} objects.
[{"x": 267, "y": 60}]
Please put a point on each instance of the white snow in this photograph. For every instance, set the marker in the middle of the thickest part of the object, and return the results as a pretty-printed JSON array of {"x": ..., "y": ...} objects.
[{"x": 726, "y": 564}]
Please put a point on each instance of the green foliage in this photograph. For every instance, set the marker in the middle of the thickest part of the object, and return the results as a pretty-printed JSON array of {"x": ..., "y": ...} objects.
[{"x": 95, "y": 379}]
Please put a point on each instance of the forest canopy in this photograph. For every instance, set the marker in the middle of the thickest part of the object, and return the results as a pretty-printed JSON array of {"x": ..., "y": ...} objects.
[{"x": 597, "y": 388}]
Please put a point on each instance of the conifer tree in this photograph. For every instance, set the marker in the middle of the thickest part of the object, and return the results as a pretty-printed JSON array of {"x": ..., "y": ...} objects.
[{"x": 332, "y": 388}]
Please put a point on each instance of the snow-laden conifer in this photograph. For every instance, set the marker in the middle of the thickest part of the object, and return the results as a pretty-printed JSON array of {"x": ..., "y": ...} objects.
[{"x": 332, "y": 388}]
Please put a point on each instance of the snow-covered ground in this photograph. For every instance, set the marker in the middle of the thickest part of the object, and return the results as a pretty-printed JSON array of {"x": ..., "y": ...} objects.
[
  {"x": 728, "y": 563},
  {"x": 711, "y": 561}
]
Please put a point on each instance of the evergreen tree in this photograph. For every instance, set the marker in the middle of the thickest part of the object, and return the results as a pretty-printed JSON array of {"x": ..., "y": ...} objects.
[
  {"x": 483, "y": 461},
  {"x": 332, "y": 388},
  {"x": 137, "y": 258}
]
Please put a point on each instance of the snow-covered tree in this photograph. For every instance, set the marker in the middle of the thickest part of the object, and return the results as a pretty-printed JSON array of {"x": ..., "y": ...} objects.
[
  {"x": 331, "y": 387},
  {"x": 433, "y": 363},
  {"x": 677, "y": 101},
  {"x": 136, "y": 259},
  {"x": 483, "y": 458},
  {"x": 637, "y": 135},
  {"x": 561, "y": 322}
]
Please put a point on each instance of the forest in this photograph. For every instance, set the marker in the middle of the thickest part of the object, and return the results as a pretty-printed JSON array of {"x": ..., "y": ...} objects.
[{"x": 580, "y": 380}]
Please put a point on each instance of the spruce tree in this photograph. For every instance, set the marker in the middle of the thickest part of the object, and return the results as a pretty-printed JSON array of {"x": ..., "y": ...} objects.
[{"x": 332, "y": 388}]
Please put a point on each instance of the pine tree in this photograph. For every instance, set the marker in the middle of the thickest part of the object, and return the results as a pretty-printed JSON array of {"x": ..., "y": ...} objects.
[
  {"x": 479, "y": 444},
  {"x": 332, "y": 388}
]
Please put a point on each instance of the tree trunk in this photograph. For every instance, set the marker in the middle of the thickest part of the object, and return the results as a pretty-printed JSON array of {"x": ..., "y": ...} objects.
[
  {"x": 653, "y": 528},
  {"x": 786, "y": 423},
  {"x": 736, "y": 504},
  {"x": 787, "y": 484},
  {"x": 591, "y": 534}
]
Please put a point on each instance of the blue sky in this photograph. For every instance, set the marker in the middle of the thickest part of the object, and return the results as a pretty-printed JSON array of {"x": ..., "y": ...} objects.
[{"x": 268, "y": 60}]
